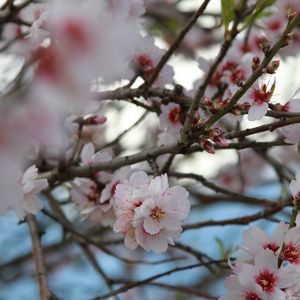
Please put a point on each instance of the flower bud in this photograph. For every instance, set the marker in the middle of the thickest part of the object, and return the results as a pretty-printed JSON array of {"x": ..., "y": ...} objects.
[
  {"x": 287, "y": 39},
  {"x": 273, "y": 66},
  {"x": 255, "y": 63},
  {"x": 207, "y": 146},
  {"x": 264, "y": 44}
]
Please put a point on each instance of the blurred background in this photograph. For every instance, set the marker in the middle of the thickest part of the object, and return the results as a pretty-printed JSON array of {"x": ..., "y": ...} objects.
[{"x": 71, "y": 275}]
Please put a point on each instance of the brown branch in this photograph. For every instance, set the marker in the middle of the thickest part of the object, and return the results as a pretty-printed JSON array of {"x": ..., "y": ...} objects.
[
  {"x": 176, "y": 43},
  {"x": 255, "y": 75},
  {"x": 177, "y": 288},
  {"x": 186, "y": 130},
  {"x": 267, "y": 127},
  {"x": 37, "y": 252},
  {"x": 241, "y": 220},
  {"x": 149, "y": 279},
  {"x": 222, "y": 190},
  {"x": 83, "y": 239}
]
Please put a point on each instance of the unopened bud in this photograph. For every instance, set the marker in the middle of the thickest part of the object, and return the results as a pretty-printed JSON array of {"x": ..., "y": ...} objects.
[
  {"x": 94, "y": 120},
  {"x": 287, "y": 39},
  {"x": 277, "y": 107},
  {"x": 291, "y": 14},
  {"x": 219, "y": 140},
  {"x": 273, "y": 66},
  {"x": 264, "y": 44},
  {"x": 255, "y": 63},
  {"x": 216, "y": 131},
  {"x": 207, "y": 146}
]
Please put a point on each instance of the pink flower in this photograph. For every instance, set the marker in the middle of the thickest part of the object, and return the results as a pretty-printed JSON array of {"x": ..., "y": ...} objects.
[
  {"x": 145, "y": 59},
  {"x": 31, "y": 186},
  {"x": 19, "y": 191},
  {"x": 237, "y": 291},
  {"x": 86, "y": 194},
  {"x": 259, "y": 98},
  {"x": 291, "y": 133},
  {"x": 149, "y": 213},
  {"x": 108, "y": 193},
  {"x": 291, "y": 251},
  {"x": 170, "y": 117},
  {"x": 128, "y": 196},
  {"x": 267, "y": 278},
  {"x": 158, "y": 219},
  {"x": 256, "y": 240},
  {"x": 293, "y": 105},
  {"x": 88, "y": 157}
]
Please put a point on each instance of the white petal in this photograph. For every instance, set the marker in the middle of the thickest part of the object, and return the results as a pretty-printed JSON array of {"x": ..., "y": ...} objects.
[
  {"x": 87, "y": 153},
  {"x": 139, "y": 178},
  {"x": 257, "y": 111},
  {"x": 151, "y": 226}
]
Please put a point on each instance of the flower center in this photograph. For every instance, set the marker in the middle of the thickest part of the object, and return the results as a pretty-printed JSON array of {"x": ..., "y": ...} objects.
[
  {"x": 266, "y": 280},
  {"x": 157, "y": 214},
  {"x": 94, "y": 194},
  {"x": 146, "y": 65},
  {"x": 271, "y": 246},
  {"x": 291, "y": 253},
  {"x": 174, "y": 115},
  {"x": 262, "y": 95}
]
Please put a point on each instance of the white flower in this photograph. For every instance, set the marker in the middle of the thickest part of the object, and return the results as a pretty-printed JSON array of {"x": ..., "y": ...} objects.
[
  {"x": 170, "y": 118},
  {"x": 145, "y": 59},
  {"x": 237, "y": 291},
  {"x": 86, "y": 194},
  {"x": 108, "y": 193},
  {"x": 19, "y": 191},
  {"x": 128, "y": 196},
  {"x": 255, "y": 240},
  {"x": 149, "y": 213},
  {"x": 291, "y": 251},
  {"x": 259, "y": 98},
  {"x": 88, "y": 157},
  {"x": 267, "y": 278}
]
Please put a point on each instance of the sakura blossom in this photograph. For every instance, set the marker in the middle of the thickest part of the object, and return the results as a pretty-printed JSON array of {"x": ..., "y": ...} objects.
[
  {"x": 86, "y": 195},
  {"x": 149, "y": 213},
  {"x": 20, "y": 190},
  {"x": 267, "y": 266},
  {"x": 291, "y": 251},
  {"x": 144, "y": 59},
  {"x": 125, "y": 123},
  {"x": 256, "y": 239},
  {"x": 259, "y": 98},
  {"x": 269, "y": 281},
  {"x": 108, "y": 193},
  {"x": 170, "y": 118}
]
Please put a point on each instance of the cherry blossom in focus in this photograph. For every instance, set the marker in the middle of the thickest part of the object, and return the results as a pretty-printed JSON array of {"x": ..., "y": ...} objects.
[{"x": 149, "y": 212}]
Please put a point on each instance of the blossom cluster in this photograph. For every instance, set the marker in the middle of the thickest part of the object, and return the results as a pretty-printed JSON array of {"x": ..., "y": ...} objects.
[
  {"x": 268, "y": 266},
  {"x": 146, "y": 211},
  {"x": 149, "y": 213}
]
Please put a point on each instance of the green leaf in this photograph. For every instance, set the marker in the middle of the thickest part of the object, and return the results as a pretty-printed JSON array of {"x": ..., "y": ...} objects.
[
  {"x": 221, "y": 246},
  {"x": 259, "y": 12},
  {"x": 224, "y": 252},
  {"x": 227, "y": 12}
]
